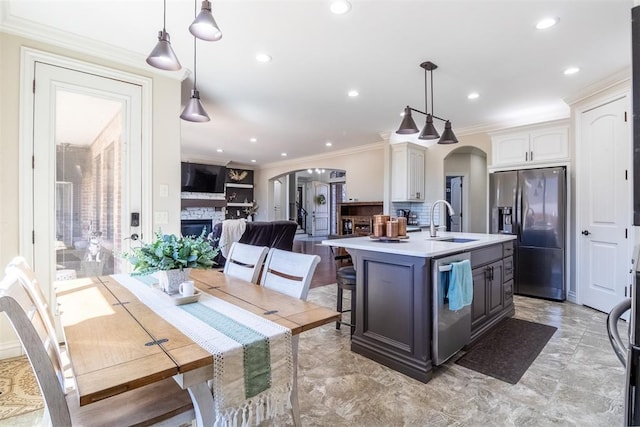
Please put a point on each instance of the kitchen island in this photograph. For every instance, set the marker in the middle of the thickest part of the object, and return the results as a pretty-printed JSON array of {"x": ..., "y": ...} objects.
[{"x": 395, "y": 284}]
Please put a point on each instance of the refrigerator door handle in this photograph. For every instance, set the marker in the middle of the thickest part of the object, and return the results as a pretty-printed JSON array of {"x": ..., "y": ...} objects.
[{"x": 612, "y": 329}]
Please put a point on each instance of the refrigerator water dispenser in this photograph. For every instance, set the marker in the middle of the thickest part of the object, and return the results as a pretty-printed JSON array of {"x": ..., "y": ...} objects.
[{"x": 505, "y": 220}]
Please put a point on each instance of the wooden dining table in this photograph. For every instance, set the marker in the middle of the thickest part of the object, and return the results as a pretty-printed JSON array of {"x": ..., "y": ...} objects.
[{"x": 116, "y": 343}]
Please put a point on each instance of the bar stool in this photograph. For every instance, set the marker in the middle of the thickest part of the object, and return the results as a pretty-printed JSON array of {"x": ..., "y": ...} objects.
[{"x": 346, "y": 280}]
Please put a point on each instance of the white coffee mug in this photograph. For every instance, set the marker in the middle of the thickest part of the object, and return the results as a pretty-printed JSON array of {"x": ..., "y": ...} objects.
[{"x": 187, "y": 288}]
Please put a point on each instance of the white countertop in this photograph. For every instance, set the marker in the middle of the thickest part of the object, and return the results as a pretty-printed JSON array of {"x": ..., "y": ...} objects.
[{"x": 421, "y": 244}]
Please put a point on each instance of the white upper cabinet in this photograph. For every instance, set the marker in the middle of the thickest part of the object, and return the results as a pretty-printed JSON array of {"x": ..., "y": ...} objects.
[
  {"x": 531, "y": 145},
  {"x": 407, "y": 172}
]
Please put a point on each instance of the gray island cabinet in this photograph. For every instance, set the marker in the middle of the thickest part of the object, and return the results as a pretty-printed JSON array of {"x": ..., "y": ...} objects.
[{"x": 394, "y": 293}]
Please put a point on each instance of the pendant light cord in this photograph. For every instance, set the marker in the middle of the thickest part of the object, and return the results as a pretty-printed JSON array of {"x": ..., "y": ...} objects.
[
  {"x": 426, "y": 98},
  {"x": 195, "y": 73},
  {"x": 431, "y": 75},
  {"x": 164, "y": 16}
]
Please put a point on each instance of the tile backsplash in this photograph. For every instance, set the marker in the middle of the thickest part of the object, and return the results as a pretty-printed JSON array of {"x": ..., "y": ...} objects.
[{"x": 422, "y": 210}]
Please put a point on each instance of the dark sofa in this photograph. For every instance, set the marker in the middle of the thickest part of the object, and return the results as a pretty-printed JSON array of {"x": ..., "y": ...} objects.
[{"x": 274, "y": 234}]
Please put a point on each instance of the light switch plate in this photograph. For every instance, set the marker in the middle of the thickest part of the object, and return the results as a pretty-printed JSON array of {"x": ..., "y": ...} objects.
[{"x": 163, "y": 190}]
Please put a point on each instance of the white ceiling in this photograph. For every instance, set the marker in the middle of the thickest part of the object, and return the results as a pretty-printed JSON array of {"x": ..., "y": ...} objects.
[{"x": 298, "y": 102}]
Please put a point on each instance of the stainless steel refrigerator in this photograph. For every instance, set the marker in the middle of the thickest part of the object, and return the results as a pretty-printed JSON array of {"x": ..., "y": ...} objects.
[{"x": 531, "y": 203}]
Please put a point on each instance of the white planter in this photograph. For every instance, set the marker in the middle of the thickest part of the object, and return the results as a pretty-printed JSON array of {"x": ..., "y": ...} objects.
[{"x": 170, "y": 279}]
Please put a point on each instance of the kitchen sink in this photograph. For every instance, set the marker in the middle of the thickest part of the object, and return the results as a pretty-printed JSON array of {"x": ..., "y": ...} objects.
[{"x": 456, "y": 240}]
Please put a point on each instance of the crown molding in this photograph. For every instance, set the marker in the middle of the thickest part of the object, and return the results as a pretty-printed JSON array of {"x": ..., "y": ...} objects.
[
  {"x": 314, "y": 158},
  {"x": 21, "y": 27},
  {"x": 621, "y": 77},
  {"x": 508, "y": 124}
]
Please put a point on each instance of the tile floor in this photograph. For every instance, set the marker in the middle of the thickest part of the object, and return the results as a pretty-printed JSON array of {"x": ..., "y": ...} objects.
[{"x": 575, "y": 381}]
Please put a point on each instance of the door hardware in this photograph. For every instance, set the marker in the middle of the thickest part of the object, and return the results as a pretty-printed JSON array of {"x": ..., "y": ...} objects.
[
  {"x": 134, "y": 236},
  {"x": 585, "y": 232}
]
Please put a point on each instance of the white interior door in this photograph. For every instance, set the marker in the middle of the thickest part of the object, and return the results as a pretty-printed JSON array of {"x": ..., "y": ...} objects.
[
  {"x": 277, "y": 199},
  {"x": 87, "y": 178},
  {"x": 320, "y": 214},
  {"x": 454, "y": 196},
  {"x": 604, "y": 214}
]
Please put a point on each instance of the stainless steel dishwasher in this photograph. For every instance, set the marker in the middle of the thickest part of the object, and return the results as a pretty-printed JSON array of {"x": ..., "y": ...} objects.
[{"x": 451, "y": 329}]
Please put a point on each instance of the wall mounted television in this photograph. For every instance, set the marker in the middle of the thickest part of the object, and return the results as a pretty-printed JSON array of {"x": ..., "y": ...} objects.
[{"x": 201, "y": 178}]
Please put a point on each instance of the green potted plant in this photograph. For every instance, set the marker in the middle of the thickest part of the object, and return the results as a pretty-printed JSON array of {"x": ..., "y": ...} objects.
[{"x": 172, "y": 258}]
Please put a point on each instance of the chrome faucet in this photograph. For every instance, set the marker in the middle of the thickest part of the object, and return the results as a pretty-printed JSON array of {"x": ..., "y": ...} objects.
[{"x": 432, "y": 226}]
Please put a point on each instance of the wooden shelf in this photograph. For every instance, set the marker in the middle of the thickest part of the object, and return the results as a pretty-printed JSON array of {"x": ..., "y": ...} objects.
[
  {"x": 203, "y": 203},
  {"x": 239, "y": 192},
  {"x": 356, "y": 218}
]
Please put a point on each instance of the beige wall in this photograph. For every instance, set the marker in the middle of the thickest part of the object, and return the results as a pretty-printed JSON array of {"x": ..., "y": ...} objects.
[
  {"x": 364, "y": 166},
  {"x": 165, "y": 144}
]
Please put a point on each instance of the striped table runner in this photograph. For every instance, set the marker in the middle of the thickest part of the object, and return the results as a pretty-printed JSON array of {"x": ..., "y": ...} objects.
[{"x": 252, "y": 359}]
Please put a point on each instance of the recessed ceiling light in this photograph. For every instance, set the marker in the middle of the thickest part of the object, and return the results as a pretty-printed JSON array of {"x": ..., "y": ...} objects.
[
  {"x": 353, "y": 93},
  {"x": 253, "y": 160},
  {"x": 340, "y": 7},
  {"x": 545, "y": 23},
  {"x": 328, "y": 144},
  {"x": 309, "y": 171},
  {"x": 571, "y": 70},
  {"x": 253, "y": 139},
  {"x": 263, "y": 57},
  {"x": 473, "y": 95},
  {"x": 283, "y": 154},
  {"x": 219, "y": 150}
]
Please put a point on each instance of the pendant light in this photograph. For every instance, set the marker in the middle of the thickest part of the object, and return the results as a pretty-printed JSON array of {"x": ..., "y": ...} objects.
[
  {"x": 408, "y": 126},
  {"x": 194, "y": 111},
  {"x": 204, "y": 26},
  {"x": 162, "y": 55}
]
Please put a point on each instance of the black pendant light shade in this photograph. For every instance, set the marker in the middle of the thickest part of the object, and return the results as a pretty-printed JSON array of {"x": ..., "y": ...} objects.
[
  {"x": 429, "y": 131},
  {"x": 194, "y": 111},
  {"x": 407, "y": 126},
  {"x": 204, "y": 26},
  {"x": 162, "y": 55},
  {"x": 448, "y": 136}
]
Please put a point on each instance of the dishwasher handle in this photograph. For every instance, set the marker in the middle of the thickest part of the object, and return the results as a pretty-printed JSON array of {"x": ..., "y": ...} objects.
[{"x": 612, "y": 329}]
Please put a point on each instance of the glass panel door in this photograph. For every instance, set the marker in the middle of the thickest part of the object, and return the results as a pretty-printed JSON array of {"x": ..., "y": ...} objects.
[
  {"x": 87, "y": 180},
  {"x": 88, "y": 187}
]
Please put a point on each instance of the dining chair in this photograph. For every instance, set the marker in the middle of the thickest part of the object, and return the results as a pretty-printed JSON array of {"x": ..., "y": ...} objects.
[
  {"x": 27, "y": 277},
  {"x": 245, "y": 261},
  {"x": 156, "y": 402},
  {"x": 290, "y": 273}
]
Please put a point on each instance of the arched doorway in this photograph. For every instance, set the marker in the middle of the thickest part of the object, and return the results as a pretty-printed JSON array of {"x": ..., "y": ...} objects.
[
  {"x": 309, "y": 197},
  {"x": 465, "y": 177}
]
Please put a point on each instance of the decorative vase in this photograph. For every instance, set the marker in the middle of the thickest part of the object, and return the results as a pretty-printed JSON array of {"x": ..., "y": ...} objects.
[{"x": 170, "y": 279}]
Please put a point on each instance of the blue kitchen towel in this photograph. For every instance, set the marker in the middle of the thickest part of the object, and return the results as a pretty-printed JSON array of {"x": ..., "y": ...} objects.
[{"x": 460, "y": 285}]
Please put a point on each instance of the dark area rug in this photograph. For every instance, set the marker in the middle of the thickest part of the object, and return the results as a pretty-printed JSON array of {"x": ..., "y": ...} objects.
[{"x": 508, "y": 350}]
